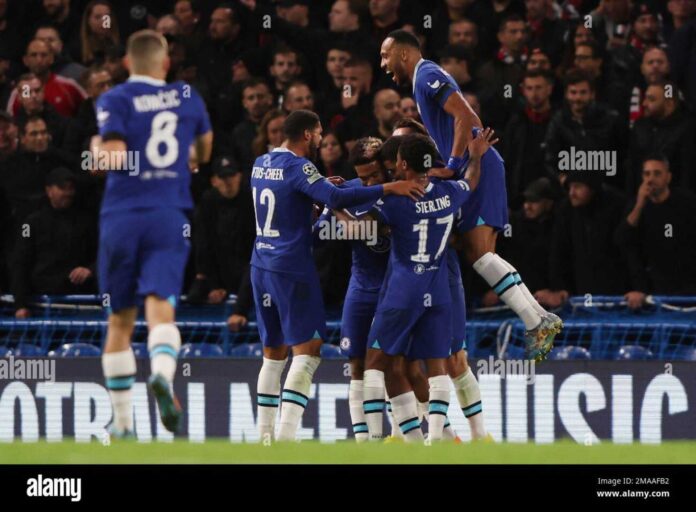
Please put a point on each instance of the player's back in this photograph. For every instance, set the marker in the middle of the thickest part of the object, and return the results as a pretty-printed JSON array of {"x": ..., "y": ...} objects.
[
  {"x": 158, "y": 122},
  {"x": 418, "y": 272},
  {"x": 283, "y": 212}
]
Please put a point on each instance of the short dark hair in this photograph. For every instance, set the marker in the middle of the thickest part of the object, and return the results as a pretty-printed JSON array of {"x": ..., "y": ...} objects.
[
  {"x": 404, "y": 37},
  {"x": 576, "y": 76},
  {"x": 511, "y": 18},
  {"x": 592, "y": 45},
  {"x": 49, "y": 25},
  {"x": 282, "y": 49},
  {"x": 30, "y": 119},
  {"x": 357, "y": 61},
  {"x": 298, "y": 122},
  {"x": 390, "y": 148},
  {"x": 407, "y": 122},
  {"x": 659, "y": 157},
  {"x": 539, "y": 73},
  {"x": 415, "y": 150},
  {"x": 253, "y": 82}
]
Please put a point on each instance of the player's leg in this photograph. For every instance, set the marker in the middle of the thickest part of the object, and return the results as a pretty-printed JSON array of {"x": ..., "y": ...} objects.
[
  {"x": 432, "y": 339},
  {"x": 468, "y": 392},
  {"x": 163, "y": 254},
  {"x": 163, "y": 343},
  {"x": 117, "y": 267},
  {"x": 301, "y": 311},
  {"x": 275, "y": 354},
  {"x": 355, "y": 327},
  {"x": 403, "y": 399},
  {"x": 374, "y": 391},
  {"x": 118, "y": 363}
]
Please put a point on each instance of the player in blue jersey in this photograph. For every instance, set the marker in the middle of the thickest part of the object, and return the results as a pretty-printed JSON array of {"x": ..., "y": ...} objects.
[
  {"x": 289, "y": 308},
  {"x": 451, "y": 123},
  {"x": 413, "y": 317},
  {"x": 146, "y": 130}
]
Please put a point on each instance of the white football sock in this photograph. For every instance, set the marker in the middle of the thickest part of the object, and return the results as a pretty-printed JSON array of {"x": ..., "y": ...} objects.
[
  {"x": 438, "y": 406},
  {"x": 469, "y": 396},
  {"x": 296, "y": 395},
  {"x": 497, "y": 275},
  {"x": 373, "y": 402},
  {"x": 527, "y": 294},
  {"x": 268, "y": 396},
  {"x": 405, "y": 408},
  {"x": 119, "y": 372},
  {"x": 163, "y": 343},
  {"x": 357, "y": 416}
]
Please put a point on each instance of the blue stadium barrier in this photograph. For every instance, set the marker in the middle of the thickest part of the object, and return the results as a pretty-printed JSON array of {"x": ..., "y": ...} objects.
[
  {"x": 76, "y": 350},
  {"x": 601, "y": 325},
  {"x": 200, "y": 350},
  {"x": 569, "y": 352},
  {"x": 140, "y": 350},
  {"x": 634, "y": 352}
]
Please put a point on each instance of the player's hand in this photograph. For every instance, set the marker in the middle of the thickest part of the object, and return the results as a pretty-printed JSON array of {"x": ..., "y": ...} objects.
[
  {"x": 192, "y": 160},
  {"x": 635, "y": 300},
  {"x": 481, "y": 143},
  {"x": 217, "y": 295},
  {"x": 22, "y": 313},
  {"x": 441, "y": 172},
  {"x": 336, "y": 180},
  {"x": 79, "y": 275},
  {"x": 236, "y": 322},
  {"x": 404, "y": 188}
]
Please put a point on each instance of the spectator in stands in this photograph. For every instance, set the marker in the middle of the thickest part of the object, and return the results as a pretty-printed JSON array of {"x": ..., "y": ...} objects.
[
  {"x": 546, "y": 30},
  {"x": 385, "y": 17},
  {"x": 525, "y": 241},
  {"x": 65, "y": 19},
  {"x": 168, "y": 25},
  {"x": 489, "y": 16},
  {"x": 457, "y": 61},
  {"x": 681, "y": 12},
  {"x": 189, "y": 16},
  {"x": 409, "y": 109},
  {"x": 386, "y": 113},
  {"x": 98, "y": 31},
  {"x": 336, "y": 58},
  {"x": 256, "y": 100},
  {"x": 580, "y": 34},
  {"x": 463, "y": 32},
  {"x": 331, "y": 158},
  {"x": 30, "y": 95},
  {"x": 654, "y": 68},
  {"x": 449, "y": 25},
  {"x": 63, "y": 93},
  {"x": 584, "y": 125},
  {"x": 611, "y": 21},
  {"x": 24, "y": 173},
  {"x": 356, "y": 100},
  {"x": 223, "y": 234},
  {"x": 270, "y": 132},
  {"x": 523, "y": 142},
  {"x": 296, "y": 96},
  {"x": 8, "y": 136},
  {"x": 55, "y": 253},
  {"x": 660, "y": 236},
  {"x": 502, "y": 75},
  {"x": 667, "y": 128},
  {"x": 584, "y": 257},
  {"x": 63, "y": 65},
  {"x": 97, "y": 81},
  {"x": 113, "y": 63},
  {"x": 285, "y": 68}
]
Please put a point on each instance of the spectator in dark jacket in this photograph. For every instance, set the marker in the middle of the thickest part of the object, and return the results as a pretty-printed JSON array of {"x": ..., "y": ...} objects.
[
  {"x": 584, "y": 257},
  {"x": 659, "y": 234},
  {"x": 224, "y": 233},
  {"x": 525, "y": 135},
  {"x": 666, "y": 128},
  {"x": 55, "y": 252},
  {"x": 583, "y": 125},
  {"x": 682, "y": 57},
  {"x": 32, "y": 103},
  {"x": 525, "y": 242}
]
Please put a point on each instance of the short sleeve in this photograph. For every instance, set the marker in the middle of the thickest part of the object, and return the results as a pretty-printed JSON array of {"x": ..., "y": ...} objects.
[
  {"x": 436, "y": 84},
  {"x": 112, "y": 112}
]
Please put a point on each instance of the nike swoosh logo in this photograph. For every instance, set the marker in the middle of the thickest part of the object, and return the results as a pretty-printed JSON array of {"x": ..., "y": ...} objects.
[
  {"x": 358, "y": 214},
  {"x": 434, "y": 85}
]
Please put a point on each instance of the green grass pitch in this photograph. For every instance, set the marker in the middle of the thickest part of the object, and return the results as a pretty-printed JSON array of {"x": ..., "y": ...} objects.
[{"x": 217, "y": 451}]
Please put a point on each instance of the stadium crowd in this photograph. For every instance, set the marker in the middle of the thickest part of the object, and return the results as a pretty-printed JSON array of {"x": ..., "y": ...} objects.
[{"x": 593, "y": 101}]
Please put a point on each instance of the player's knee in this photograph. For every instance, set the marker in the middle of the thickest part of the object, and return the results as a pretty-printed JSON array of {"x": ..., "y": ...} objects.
[
  {"x": 457, "y": 364},
  {"x": 357, "y": 368}
]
